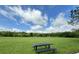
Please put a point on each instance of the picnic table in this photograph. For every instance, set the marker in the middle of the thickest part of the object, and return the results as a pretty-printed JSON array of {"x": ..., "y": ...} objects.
[{"x": 43, "y": 47}]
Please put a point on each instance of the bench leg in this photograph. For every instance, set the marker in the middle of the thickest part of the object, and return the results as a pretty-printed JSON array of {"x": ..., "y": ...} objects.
[
  {"x": 37, "y": 52},
  {"x": 54, "y": 51}
]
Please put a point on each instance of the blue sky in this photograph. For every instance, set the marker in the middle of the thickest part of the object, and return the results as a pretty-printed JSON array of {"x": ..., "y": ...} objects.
[{"x": 35, "y": 18}]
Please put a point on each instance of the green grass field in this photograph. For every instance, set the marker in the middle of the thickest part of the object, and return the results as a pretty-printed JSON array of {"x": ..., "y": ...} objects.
[{"x": 23, "y": 45}]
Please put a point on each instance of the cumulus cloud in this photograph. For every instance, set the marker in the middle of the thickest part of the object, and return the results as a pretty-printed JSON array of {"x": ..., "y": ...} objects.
[
  {"x": 30, "y": 15},
  {"x": 60, "y": 20},
  {"x": 59, "y": 24}
]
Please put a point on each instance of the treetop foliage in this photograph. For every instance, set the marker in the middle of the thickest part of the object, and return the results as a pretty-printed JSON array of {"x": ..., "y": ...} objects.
[{"x": 75, "y": 33}]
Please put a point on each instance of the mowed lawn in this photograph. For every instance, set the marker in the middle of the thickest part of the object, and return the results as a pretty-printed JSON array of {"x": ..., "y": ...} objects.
[{"x": 23, "y": 45}]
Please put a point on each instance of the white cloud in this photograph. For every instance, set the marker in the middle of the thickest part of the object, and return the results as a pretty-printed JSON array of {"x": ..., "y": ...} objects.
[
  {"x": 30, "y": 15},
  {"x": 7, "y": 14},
  {"x": 36, "y": 29},
  {"x": 60, "y": 20},
  {"x": 16, "y": 30},
  {"x": 10, "y": 29},
  {"x": 59, "y": 24}
]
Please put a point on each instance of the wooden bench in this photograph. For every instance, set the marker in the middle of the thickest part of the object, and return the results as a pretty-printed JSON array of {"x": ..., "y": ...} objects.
[{"x": 43, "y": 47}]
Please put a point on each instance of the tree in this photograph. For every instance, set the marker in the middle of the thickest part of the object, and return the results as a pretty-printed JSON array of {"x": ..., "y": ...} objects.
[{"x": 74, "y": 16}]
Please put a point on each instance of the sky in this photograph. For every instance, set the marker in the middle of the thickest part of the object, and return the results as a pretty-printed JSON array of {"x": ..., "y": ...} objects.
[{"x": 36, "y": 18}]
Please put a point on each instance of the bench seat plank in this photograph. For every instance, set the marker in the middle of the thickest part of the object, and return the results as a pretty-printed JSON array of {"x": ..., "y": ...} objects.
[{"x": 45, "y": 50}]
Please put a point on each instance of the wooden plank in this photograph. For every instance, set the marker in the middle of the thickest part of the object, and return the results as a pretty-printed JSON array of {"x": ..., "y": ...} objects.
[{"x": 45, "y": 50}]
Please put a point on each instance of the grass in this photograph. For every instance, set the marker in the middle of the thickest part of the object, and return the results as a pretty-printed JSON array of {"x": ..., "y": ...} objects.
[{"x": 23, "y": 45}]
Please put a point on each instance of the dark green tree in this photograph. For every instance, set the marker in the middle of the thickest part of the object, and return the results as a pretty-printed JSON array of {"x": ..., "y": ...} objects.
[{"x": 74, "y": 14}]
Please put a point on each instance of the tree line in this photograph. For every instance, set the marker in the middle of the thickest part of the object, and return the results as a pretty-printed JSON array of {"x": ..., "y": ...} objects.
[{"x": 24, "y": 34}]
